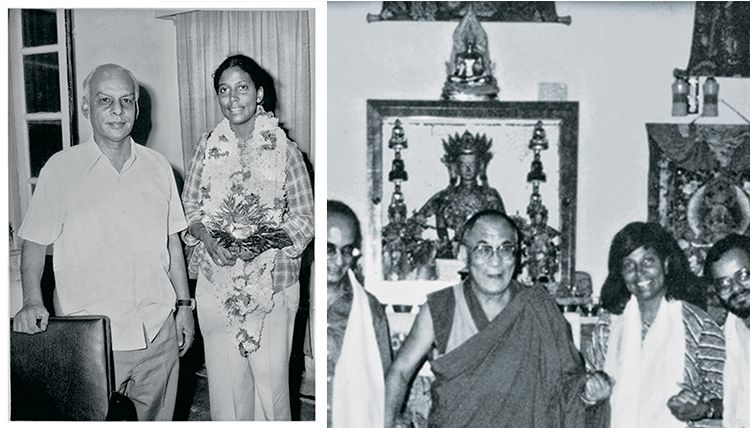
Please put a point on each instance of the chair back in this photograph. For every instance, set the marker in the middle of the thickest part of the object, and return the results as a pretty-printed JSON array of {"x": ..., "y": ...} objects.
[{"x": 64, "y": 373}]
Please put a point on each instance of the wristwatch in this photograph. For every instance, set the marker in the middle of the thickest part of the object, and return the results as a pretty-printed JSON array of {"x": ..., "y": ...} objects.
[{"x": 185, "y": 302}]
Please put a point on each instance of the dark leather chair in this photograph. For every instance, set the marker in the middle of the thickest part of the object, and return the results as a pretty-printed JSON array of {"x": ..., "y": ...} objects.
[{"x": 64, "y": 373}]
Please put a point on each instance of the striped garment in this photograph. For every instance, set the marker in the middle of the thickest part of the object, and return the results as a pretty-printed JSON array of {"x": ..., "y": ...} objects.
[{"x": 704, "y": 353}]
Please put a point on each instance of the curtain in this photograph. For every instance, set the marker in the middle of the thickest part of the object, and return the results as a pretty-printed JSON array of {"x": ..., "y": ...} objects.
[{"x": 277, "y": 40}]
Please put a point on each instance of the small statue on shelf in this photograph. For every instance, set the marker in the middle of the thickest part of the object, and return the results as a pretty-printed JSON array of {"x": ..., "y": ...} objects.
[
  {"x": 466, "y": 157},
  {"x": 406, "y": 255},
  {"x": 470, "y": 69},
  {"x": 541, "y": 242},
  {"x": 469, "y": 66},
  {"x": 541, "y": 248}
]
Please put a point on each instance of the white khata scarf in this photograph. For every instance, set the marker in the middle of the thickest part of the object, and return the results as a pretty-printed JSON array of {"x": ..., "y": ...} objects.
[
  {"x": 358, "y": 382},
  {"x": 244, "y": 186},
  {"x": 736, "y": 374},
  {"x": 647, "y": 373}
]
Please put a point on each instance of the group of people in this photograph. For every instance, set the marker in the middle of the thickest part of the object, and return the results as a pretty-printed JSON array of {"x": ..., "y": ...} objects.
[
  {"x": 502, "y": 353},
  {"x": 112, "y": 211}
]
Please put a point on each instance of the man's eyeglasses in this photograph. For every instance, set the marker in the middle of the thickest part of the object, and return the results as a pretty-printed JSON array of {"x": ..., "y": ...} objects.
[
  {"x": 741, "y": 277},
  {"x": 483, "y": 252},
  {"x": 347, "y": 251}
]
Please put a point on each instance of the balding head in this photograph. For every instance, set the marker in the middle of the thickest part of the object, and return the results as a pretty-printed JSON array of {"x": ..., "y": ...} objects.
[
  {"x": 343, "y": 241},
  {"x": 105, "y": 69}
]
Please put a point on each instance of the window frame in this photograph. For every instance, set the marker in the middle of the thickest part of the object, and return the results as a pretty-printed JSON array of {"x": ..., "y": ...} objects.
[{"x": 66, "y": 116}]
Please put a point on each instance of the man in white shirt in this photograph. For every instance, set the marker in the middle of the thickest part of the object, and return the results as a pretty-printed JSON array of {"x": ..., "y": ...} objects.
[
  {"x": 112, "y": 211},
  {"x": 728, "y": 266}
]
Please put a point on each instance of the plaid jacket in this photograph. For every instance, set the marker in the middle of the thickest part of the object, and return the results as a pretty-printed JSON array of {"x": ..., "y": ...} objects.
[{"x": 298, "y": 221}]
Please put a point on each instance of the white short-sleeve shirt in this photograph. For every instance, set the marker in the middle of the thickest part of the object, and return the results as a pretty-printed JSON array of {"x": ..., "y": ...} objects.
[{"x": 110, "y": 231}]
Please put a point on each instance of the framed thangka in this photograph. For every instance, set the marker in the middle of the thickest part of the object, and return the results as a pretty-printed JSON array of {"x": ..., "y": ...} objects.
[
  {"x": 432, "y": 164},
  {"x": 699, "y": 183},
  {"x": 506, "y": 11}
]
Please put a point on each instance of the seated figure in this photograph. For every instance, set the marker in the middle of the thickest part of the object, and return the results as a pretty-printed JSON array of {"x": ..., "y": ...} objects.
[
  {"x": 469, "y": 66},
  {"x": 468, "y": 192}
]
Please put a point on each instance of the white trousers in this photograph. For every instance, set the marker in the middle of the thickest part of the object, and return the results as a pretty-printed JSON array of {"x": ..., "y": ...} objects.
[{"x": 249, "y": 388}]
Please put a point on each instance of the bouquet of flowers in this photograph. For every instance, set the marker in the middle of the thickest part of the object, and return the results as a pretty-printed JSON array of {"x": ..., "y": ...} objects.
[{"x": 243, "y": 226}]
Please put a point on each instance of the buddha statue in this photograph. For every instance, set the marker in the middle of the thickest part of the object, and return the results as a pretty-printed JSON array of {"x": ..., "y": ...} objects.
[
  {"x": 469, "y": 66},
  {"x": 470, "y": 69},
  {"x": 468, "y": 192}
]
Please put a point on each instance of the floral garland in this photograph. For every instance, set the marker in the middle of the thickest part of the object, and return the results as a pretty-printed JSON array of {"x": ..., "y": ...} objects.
[{"x": 244, "y": 190}]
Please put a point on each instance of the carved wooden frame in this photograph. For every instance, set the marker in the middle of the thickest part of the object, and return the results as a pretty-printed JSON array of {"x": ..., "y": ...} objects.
[{"x": 567, "y": 150}]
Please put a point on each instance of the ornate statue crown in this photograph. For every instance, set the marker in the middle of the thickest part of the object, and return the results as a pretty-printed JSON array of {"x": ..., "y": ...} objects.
[{"x": 467, "y": 144}]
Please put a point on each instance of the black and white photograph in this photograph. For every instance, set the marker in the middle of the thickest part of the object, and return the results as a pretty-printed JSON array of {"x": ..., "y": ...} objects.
[
  {"x": 538, "y": 214},
  {"x": 161, "y": 214}
]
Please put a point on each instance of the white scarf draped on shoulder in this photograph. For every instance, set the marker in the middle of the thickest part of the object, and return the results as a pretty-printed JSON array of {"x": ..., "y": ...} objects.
[
  {"x": 358, "y": 384},
  {"x": 737, "y": 374},
  {"x": 646, "y": 373}
]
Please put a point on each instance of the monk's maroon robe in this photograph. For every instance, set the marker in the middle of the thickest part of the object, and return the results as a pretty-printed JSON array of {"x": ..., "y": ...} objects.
[{"x": 521, "y": 370}]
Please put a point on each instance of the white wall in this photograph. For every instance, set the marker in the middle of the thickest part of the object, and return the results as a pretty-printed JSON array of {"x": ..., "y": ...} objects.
[
  {"x": 147, "y": 46},
  {"x": 616, "y": 59}
]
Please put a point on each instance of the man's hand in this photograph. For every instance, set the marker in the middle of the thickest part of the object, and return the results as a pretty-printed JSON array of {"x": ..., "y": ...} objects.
[
  {"x": 598, "y": 387},
  {"x": 32, "y": 318},
  {"x": 185, "y": 328},
  {"x": 688, "y": 406}
]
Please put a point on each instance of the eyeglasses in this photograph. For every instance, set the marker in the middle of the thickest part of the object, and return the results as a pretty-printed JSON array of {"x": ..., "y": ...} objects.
[
  {"x": 741, "y": 277},
  {"x": 485, "y": 251},
  {"x": 347, "y": 251}
]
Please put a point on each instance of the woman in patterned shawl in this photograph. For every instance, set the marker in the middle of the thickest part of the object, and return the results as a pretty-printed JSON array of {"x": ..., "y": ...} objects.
[
  {"x": 249, "y": 207},
  {"x": 664, "y": 353}
]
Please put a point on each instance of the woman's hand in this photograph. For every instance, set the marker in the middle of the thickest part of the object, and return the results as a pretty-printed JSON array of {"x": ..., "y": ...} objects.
[
  {"x": 250, "y": 253},
  {"x": 598, "y": 387},
  {"x": 278, "y": 239},
  {"x": 688, "y": 406},
  {"x": 220, "y": 255}
]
